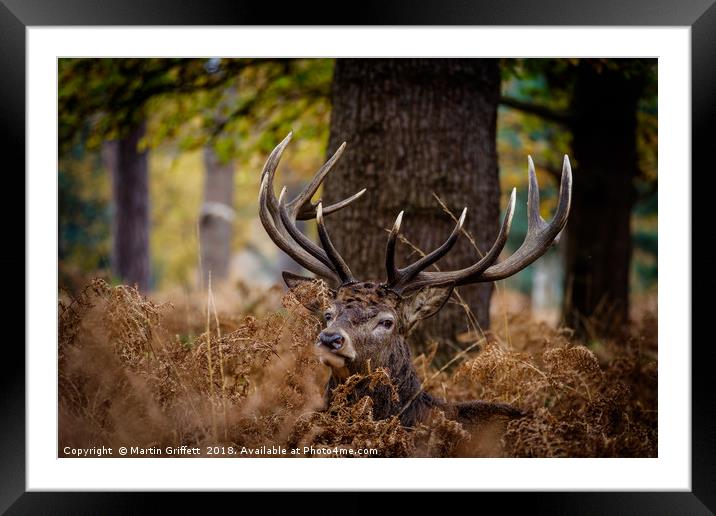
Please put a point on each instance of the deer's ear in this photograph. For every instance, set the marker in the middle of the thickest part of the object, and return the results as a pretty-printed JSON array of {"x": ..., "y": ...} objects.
[
  {"x": 294, "y": 281},
  {"x": 306, "y": 290},
  {"x": 426, "y": 303}
]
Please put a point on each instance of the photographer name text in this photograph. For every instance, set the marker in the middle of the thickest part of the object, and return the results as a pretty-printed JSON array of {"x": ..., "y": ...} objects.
[{"x": 217, "y": 451}]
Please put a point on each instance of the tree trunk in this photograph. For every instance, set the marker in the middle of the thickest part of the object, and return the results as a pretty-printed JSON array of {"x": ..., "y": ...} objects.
[
  {"x": 414, "y": 127},
  {"x": 130, "y": 202},
  {"x": 599, "y": 244},
  {"x": 216, "y": 217}
]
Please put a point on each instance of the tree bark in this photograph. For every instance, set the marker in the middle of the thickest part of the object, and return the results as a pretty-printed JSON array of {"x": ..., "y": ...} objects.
[
  {"x": 216, "y": 217},
  {"x": 414, "y": 127},
  {"x": 128, "y": 167},
  {"x": 599, "y": 243}
]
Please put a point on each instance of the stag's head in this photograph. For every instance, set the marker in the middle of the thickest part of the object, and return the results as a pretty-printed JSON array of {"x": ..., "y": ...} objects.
[{"x": 366, "y": 322}]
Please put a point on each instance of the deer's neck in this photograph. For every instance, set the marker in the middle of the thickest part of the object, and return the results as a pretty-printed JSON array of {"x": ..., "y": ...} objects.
[{"x": 412, "y": 402}]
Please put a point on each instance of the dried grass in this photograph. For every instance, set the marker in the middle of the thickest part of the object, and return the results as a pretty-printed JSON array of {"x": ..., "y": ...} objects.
[{"x": 133, "y": 371}]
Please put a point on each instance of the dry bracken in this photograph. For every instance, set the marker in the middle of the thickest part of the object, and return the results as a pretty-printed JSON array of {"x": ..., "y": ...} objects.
[{"x": 133, "y": 370}]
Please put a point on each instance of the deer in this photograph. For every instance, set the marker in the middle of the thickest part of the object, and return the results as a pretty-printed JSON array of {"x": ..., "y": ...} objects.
[{"x": 366, "y": 323}]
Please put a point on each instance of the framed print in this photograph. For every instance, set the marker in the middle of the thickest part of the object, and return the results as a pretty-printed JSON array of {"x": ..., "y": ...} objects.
[{"x": 251, "y": 247}]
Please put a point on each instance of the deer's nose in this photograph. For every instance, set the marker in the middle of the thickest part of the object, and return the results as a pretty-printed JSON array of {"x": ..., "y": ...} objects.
[{"x": 330, "y": 339}]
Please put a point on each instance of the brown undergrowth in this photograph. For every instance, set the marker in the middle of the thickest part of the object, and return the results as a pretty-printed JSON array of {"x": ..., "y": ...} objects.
[{"x": 136, "y": 372}]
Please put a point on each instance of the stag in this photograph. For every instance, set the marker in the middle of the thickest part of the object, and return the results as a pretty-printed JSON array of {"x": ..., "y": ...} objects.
[{"x": 367, "y": 322}]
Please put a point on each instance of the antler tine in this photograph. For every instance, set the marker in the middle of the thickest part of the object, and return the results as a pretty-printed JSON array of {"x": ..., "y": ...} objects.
[
  {"x": 540, "y": 234},
  {"x": 299, "y": 237},
  {"x": 302, "y": 206},
  {"x": 565, "y": 201},
  {"x": 312, "y": 187},
  {"x": 279, "y": 217},
  {"x": 397, "y": 278},
  {"x": 338, "y": 263},
  {"x": 565, "y": 194},
  {"x": 309, "y": 212},
  {"x": 391, "y": 269},
  {"x": 268, "y": 173},
  {"x": 426, "y": 261},
  {"x": 276, "y": 233},
  {"x": 534, "y": 219},
  {"x": 468, "y": 274}
]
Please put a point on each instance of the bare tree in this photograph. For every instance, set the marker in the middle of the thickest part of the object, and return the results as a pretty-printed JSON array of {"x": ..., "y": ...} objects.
[
  {"x": 128, "y": 167},
  {"x": 216, "y": 217}
]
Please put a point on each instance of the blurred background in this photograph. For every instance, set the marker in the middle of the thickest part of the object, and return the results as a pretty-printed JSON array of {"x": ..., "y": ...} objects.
[{"x": 159, "y": 165}]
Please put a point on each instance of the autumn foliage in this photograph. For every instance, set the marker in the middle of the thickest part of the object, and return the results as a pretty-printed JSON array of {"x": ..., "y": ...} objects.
[{"x": 137, "y": 371}]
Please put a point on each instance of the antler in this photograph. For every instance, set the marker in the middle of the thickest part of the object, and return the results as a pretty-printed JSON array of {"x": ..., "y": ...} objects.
[
  {"x": 279, "y": 219},
  {"x": 540, "y": 236}
]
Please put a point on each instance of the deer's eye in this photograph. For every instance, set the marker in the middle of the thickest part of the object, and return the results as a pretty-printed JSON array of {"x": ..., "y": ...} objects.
[
  {"x": 327, "y": 317},
  {"x": 386, "y": 323}
]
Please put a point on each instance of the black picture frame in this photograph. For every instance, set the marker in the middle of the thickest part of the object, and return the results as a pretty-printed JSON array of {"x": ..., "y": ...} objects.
[{"x": 17, "y": 15}]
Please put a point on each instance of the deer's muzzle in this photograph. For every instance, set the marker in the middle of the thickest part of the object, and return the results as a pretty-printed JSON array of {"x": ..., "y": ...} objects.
[
  {"x": 334, "y": 348},
  {"x": 332, "y": 340}
]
